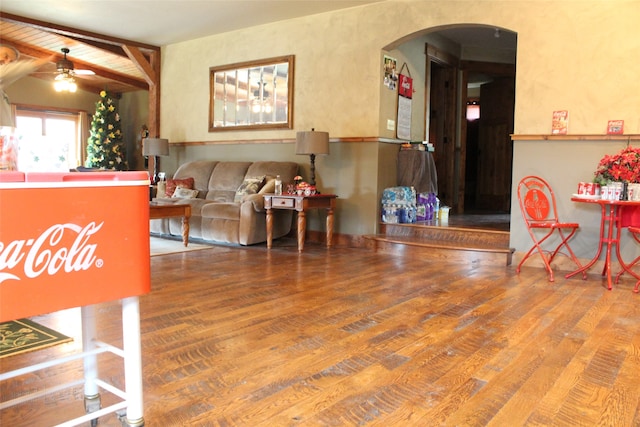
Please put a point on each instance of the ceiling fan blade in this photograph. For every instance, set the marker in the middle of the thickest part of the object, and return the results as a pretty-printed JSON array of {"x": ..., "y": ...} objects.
[{"x": 83, "y": 72}]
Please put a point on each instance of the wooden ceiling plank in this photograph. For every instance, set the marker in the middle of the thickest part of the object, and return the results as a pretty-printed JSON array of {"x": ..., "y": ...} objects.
[
  {"x": 116, "y": 69},
  {"x": 42, "y": 53},
  {"x": 114, "y": 49},
  {"x": 74, "y": 32}
]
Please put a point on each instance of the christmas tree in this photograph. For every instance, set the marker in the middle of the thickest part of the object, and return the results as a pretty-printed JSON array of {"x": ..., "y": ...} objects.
[{"x": 105, "y": 148}]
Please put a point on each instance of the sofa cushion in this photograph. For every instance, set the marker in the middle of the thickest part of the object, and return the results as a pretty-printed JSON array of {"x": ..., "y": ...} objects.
[
  {"x": 172, "y": 184},
  {"x": 286, "y": 170},
  {"x": 249, "y": 186},
  {"x": 225, "y": 180},
  {"x": 221, "y": 211},
  {"x": 200, "y": 170},
  {"x": 184, "y": 193}
]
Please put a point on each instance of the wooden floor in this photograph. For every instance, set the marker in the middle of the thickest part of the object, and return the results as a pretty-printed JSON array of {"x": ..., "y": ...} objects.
[{"x": 346, "y": 337}]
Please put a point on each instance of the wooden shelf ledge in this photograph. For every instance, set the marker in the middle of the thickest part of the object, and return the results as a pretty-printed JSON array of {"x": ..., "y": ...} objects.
[{"x": 576, "y": 137}]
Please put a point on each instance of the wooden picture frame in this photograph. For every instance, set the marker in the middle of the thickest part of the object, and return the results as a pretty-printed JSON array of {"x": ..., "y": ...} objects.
[{"x": 252, "y": 95}]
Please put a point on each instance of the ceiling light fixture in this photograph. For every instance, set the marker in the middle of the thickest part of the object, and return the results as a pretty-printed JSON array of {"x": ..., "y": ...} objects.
[{"x": 65, "y": 82}]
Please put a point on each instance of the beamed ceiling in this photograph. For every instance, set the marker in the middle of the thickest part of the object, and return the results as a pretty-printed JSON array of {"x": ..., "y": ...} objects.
[{"x": 119, "y": 65}]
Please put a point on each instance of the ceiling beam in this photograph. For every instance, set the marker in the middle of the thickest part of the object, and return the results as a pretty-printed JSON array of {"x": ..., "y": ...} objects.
[
  {"x": 75, "y": 33},
  {"x": 35, "y": 52},
  {"x": 142, "y": 63}
]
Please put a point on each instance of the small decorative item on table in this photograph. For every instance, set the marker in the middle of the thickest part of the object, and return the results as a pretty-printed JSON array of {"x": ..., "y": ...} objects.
[
  {"x": 304, "y": 188},
  {"x": 617, "y": 171}
]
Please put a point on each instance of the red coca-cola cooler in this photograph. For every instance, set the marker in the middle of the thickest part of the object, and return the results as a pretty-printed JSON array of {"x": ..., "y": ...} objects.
[
  {"x": 75, "y": 240},
  {"x": 71, "y": 239}
]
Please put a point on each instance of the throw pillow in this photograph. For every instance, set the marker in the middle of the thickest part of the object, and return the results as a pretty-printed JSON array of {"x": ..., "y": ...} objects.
[
  {"x": 184, "y": 193},
  {"x": 249, "y": 186},
  {"x": 172, "y": 184}
]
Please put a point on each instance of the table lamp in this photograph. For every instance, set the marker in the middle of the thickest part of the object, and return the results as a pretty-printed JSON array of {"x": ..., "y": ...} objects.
[
  {"x": 155, "y": 147},
  {"x": 312, "y": 143}
]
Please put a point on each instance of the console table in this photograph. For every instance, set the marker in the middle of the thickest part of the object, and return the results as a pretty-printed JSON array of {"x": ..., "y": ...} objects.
[{"x": 301, "y": 204}]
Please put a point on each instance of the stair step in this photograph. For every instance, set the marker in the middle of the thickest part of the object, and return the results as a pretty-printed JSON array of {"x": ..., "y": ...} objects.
[
  {"x": 443, "y": 243},
  {"x": 444, "y": 250},
  {"x": 435, "y": 241},
  {"x": 464, "y": 237}
]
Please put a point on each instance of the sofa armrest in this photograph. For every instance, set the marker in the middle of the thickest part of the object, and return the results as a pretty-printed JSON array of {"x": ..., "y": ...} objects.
[{"x": 257, "y": 200}]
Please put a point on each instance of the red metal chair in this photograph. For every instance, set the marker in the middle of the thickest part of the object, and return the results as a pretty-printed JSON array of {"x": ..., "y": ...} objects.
[
  {"x": 538, "y": 207},
  {"x": 635, "y": 232}
]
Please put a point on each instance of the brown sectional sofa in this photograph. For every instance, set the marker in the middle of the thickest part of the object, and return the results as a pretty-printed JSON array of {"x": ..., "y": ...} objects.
[{"x": 220, "y": 212}]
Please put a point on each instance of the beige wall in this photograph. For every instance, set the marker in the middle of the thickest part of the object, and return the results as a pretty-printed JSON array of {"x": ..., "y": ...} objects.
[
  {"x": 32, "y": 91},
  {"x": 567, "y": 53},
  {"x": 580, "y": 56},
  {"x": 134, "y": 113}
]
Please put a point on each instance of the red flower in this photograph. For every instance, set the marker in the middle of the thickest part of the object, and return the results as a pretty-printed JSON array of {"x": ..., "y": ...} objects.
[{"x": 624, "y": 166}]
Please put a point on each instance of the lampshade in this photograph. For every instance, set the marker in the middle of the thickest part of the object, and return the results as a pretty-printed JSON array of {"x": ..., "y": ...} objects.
[
  {"x": 312, "y": 142},
  {"x": 155, "y": 147}
]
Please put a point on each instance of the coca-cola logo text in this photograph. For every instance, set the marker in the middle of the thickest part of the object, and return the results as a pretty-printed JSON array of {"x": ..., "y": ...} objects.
[{"x": 47, "y": 253}]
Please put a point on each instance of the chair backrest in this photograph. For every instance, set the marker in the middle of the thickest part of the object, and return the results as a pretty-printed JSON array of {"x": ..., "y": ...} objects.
[{"x": 537, "y": 201}]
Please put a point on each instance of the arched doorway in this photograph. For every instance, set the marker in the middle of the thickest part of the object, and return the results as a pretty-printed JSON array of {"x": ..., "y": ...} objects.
[
  {"x": 470, "y": 65},
  {"x": 473, "y": 151}
]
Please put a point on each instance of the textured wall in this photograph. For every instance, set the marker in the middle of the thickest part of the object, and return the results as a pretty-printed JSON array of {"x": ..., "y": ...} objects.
[{"x": 578, "y": 55}]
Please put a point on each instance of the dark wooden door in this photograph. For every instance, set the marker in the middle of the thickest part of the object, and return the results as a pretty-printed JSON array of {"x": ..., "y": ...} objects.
[
  {"x": 442, "y": 129},
  {"x": 495, "y": 150}
]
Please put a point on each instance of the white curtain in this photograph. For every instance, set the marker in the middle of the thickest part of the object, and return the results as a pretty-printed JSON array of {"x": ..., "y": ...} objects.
[{"x": 83, "y": 136}]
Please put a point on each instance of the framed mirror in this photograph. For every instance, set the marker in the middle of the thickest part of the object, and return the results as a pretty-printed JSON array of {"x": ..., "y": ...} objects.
[{"x": 252, "y": 95}]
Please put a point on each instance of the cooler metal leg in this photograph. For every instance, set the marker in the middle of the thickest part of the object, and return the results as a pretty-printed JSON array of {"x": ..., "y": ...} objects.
[
  {"x": 130, "y": 409},
  {"x": 132, "y": 362},
  {"x": 90, "y": 362}
]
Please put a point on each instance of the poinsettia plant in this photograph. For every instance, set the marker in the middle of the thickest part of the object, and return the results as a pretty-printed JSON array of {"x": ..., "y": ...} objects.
[{"x": 621, "y": 167}]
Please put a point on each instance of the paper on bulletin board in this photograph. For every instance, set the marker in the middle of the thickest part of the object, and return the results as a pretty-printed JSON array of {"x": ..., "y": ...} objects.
[
  {"x": 405, "y": 93},
  {"x": 404, "y": 118}
]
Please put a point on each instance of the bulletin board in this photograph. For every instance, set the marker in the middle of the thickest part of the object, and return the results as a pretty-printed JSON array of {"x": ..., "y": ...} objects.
[{"x": 405, "y": 93}]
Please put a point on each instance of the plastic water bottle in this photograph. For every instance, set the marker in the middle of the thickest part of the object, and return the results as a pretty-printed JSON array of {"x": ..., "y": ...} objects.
[{"x": 278, "y": 185}]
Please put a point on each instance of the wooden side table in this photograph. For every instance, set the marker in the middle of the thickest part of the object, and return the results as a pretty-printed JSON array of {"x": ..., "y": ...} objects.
[
  {"x": 301, "y": 204},
  {"x": 167, "y": 210}
]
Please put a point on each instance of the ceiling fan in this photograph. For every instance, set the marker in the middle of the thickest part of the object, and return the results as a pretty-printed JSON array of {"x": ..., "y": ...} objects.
[
  {"x": 65, "y": 71},
  {"x": 65, "y": 66}
]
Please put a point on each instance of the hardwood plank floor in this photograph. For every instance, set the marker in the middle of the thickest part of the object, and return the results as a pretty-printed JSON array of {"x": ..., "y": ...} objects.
[{"x": 347, "y": 337}]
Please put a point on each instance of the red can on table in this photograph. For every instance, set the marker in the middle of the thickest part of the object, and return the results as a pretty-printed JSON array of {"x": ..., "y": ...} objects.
[
  {"x": 588, "y": 188},
  {"x": 582, "y": 188}
]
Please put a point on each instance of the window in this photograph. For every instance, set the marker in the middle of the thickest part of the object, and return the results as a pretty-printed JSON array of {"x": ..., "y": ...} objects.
[{"x": 48, "y": 140}]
